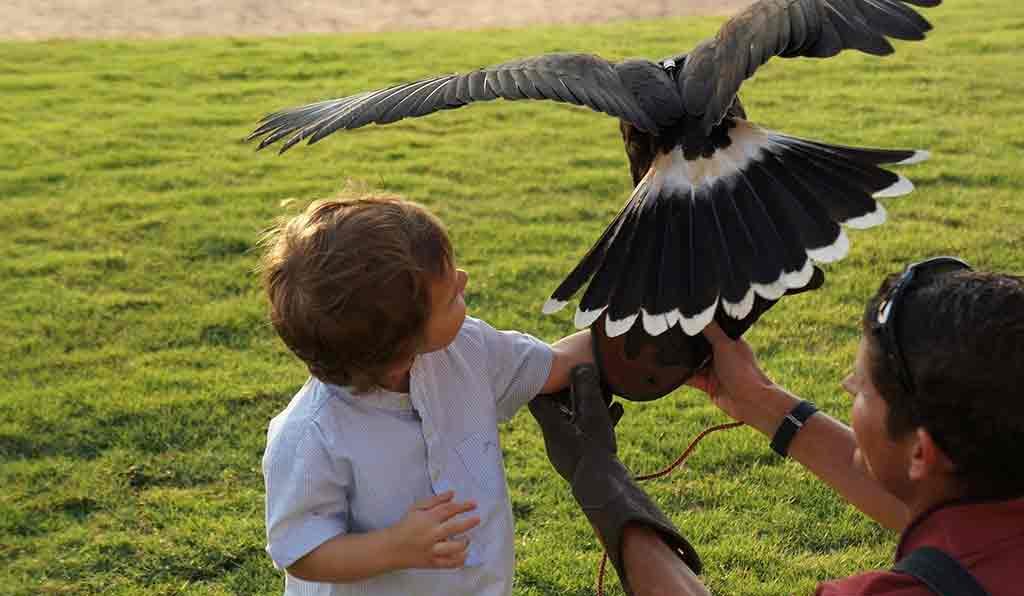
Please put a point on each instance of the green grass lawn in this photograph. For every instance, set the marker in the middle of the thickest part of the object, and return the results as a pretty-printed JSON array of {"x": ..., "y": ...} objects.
[{"x": 139, "y": 372}]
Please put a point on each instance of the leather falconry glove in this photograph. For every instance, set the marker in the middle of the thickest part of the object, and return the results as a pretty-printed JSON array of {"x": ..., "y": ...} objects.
[{"x": 580, "y": 442}]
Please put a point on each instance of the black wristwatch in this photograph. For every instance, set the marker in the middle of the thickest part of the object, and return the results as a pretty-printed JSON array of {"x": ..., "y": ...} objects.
[{"x": 793, "y": 422}]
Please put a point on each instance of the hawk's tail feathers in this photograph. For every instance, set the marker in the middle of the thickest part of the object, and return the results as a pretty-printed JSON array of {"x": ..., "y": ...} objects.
[{"x": 710, "y": 237}]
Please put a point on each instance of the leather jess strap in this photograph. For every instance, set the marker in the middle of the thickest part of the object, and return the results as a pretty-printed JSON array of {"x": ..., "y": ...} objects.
[{"x": 943, "y": 574}]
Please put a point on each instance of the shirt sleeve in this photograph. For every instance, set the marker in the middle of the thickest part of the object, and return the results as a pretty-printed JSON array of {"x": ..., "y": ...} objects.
[
  {"x": 307, "y": 494},
  {"x": 519, "y": 365}
]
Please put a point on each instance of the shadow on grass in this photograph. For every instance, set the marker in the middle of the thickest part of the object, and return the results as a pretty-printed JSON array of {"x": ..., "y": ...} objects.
[
  {"x": 179, "y": 425},
  {"x": 527, "y": 579}
]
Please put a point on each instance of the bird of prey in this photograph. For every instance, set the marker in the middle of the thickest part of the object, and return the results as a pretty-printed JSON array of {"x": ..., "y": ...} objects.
[{"x": 726, "y": 216}]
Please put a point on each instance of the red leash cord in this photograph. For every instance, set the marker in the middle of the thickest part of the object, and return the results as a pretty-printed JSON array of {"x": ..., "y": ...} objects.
[
  {"x": 689, "y": 449},
  {"x": 679, "y": 461}
]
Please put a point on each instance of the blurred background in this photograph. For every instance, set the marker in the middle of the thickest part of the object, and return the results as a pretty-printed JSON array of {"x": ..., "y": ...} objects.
[{"x": 26, "y": 19}]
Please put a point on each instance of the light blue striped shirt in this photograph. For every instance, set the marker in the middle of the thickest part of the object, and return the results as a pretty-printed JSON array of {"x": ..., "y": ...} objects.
[{"x": 338, "y": 463}]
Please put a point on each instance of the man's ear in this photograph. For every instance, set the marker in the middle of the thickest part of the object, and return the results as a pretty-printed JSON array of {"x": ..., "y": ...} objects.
[{"x": 927, "y": 459}]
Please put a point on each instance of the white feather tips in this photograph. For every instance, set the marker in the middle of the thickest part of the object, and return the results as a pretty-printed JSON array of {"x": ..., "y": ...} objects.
[
  {"x": 868, "y": 220},
  {"x": 695, "y": 324},
  {"x": 833, "y": 252},
  {"x": 586, "y": 318},
  {"x": 918, "y": 156},
  {"x": 617, "y": 328},
  {"x": 799, "y": 279},
  {"x": 741, "y": 309},
  {"x": 901, "y": 187},
  {"x": 553, "y": 305},
  {"x": 655, "y": 325},
  {"x": 772, "y": 291}
]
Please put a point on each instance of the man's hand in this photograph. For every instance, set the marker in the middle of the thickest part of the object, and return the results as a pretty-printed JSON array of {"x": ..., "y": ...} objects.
[
  {"x": 428, "y": 535},
  {"x": 734, "y": 379}
]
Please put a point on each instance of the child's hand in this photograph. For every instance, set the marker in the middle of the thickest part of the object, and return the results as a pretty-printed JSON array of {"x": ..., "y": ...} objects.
[{"x": 426, "y": 537}]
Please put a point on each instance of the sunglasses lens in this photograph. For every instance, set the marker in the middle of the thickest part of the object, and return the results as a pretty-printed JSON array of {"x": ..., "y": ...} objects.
[
  {"x": 941, "y": 266},
  {"x": 889, "y": 308}
]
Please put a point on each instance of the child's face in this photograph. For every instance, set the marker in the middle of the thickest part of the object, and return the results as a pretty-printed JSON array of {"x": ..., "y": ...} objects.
[{"x": 447, "y": 310}]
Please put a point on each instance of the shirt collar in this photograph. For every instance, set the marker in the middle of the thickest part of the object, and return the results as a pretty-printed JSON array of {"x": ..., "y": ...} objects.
[
  {"x": 963, "y": 527},
  {"x": 379, "y": 398}
]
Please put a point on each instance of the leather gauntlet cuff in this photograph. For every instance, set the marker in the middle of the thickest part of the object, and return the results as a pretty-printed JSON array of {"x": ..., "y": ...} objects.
[{"x": 611, "y": 499}]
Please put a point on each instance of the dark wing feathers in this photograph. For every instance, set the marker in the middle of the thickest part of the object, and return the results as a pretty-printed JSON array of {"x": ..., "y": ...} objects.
[
  {"x": 668, "y": 288},
  {"x": 768, "y": 251},
  {"x": 580, "y": 79},
  {"x": 866, "y": 178},
  {"x": 603, "y": 284},
  {"x": 789, "y": 221},
  {"x": 653, "y": 88},
  {"x": 596, "y": 255},
  {"x": 730, "y": 235},
  {"x": 854, "y": 30},
  {"x": 801, "y": 204},
  {"x": 704, "y": 267},
  {"x": 840, "y": 198},
  {"x": 629, "y": 291},
  {"x": 735, "y": 242},
  {"x": 716, "y": 68},
  {"x": 726, "y": 268},
  {"x": 858, "y": 154}
]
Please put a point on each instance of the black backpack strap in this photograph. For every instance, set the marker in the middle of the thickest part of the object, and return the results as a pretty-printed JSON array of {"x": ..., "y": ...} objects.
[{"x": 940, "y": 572}]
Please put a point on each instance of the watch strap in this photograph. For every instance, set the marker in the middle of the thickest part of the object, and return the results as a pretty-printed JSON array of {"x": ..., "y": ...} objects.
[{"x": 790, "y": 425}]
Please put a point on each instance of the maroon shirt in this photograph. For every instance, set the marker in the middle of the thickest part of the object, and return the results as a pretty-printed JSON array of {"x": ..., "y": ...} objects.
[{"x": 986, "y": 538}]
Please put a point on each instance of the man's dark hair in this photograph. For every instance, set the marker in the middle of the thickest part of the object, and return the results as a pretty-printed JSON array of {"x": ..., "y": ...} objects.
[{"x": 962, "y": 336}]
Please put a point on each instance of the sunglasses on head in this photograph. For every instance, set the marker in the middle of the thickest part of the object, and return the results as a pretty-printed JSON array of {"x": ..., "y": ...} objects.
[{"x": 888, "y": 310}]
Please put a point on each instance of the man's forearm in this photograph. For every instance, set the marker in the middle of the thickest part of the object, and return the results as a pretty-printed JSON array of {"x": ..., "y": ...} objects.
[
  {"x": 826, "y": 447},
  {"x": 349, "y": 558}
]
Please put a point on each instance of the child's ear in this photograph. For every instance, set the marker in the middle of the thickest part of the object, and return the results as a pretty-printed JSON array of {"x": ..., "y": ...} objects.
[{"x": 926, "y": 457}]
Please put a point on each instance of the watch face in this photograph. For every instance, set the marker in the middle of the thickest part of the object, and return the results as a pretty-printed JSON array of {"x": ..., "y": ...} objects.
[{"x": 639, "y": 367}]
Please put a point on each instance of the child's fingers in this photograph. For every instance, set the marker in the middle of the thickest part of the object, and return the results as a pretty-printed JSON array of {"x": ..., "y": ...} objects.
[
  {"x": 452, "y": 562},
  {"x": 453, "y": 527},
  {"x": 449, "y": 554},
  {"x": 434, "y": 501},
  {"x": 448, "y": 510},
  {"x": 447, "y": 549}
]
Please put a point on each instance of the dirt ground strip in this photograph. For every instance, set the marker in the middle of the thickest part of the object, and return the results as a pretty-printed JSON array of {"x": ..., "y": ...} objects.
[{"x": 48, "y": 19}]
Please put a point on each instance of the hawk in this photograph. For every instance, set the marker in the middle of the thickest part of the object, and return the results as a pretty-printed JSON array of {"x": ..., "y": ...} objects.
[{"x": 726, "y": 216}]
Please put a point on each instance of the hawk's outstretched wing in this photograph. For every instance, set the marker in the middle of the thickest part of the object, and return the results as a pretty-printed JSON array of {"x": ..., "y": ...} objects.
[
  {"x": 716, "y": 68},
  {"x": 580, "y": 79}
]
